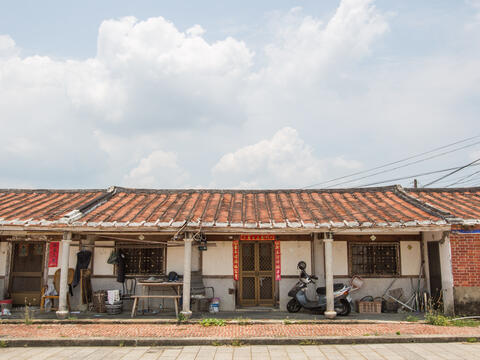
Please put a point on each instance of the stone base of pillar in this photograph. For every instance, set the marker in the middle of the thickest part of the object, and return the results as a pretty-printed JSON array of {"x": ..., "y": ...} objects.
[
  {"x": 186, "y": 314},
  {"x": 330, "y": 314},
  {"x": 62, "y": 315}
]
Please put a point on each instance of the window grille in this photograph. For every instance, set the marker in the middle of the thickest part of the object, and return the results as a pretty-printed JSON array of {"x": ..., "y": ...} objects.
[
  {"x": 374, "y": 259},
  {"x": 144, "y": 261}
]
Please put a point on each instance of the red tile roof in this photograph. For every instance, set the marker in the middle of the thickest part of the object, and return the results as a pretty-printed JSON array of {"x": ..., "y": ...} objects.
[
  {"x": 460, "y": 204},
  {"x": 44, "y": 207},
  {"x": 250, "y": 209}
]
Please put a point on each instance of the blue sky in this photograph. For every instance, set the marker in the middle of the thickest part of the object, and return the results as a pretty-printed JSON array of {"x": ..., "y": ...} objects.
[{"x": 233, "y": 94}]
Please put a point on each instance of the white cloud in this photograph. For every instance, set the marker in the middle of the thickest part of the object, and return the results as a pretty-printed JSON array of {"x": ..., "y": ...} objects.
[
  {"x": 151, "y": 86},
  {"x": 158, "y": 170},
  {"x": 281, "y": 161}
]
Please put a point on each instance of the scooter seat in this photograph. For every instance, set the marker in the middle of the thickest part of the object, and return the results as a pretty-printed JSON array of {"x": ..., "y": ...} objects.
[{"x": 336, "y": 287}]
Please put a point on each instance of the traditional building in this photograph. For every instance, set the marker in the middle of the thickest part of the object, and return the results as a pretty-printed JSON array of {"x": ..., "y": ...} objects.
[{"x": 254, "y": 240}]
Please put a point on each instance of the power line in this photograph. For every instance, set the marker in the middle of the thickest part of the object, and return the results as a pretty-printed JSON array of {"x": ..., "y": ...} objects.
[
  {"x": 410, "y": 176},
  {"x": 394, "y": 162},
  {"x": 460, "y": 181},
  {"x": 405, "y": 165},
  {"x": 453, "y": 172}
]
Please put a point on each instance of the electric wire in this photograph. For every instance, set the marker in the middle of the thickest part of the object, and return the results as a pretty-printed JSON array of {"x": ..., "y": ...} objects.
[
  {"x": 410, "y": 176},
  {"x": 394, "y": 162},
  {"x": 405, "y": 165},
  {"x": 453, "y": 172}
]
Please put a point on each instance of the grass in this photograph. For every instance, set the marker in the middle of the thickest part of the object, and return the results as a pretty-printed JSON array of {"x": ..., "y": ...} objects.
[
  {"x": 212, "y": 322},
  {"x": 236, "y": 343},
  {"x": 308, "y": 342},
  {"x": 442, "y": 320},
  {"x": 243, "y": 321},
  {"x": 398, "y": 333},
  {"x": 287, "y": 322},
  {"x": 181, "y": 318},
  {"x": 411, "y": 318},
  {"x": 472, "y": 340},
  {"x": 216, "y": 343},
  {"x": 3, "y": 344}
]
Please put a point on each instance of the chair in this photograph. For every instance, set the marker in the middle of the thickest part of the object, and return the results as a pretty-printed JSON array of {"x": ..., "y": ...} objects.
[
  {"x": 56, "y": 284},
  {"x": 198, "y": 292}
]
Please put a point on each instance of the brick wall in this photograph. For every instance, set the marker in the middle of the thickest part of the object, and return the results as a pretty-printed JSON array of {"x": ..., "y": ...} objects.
[{"x": 465, "y": 245}]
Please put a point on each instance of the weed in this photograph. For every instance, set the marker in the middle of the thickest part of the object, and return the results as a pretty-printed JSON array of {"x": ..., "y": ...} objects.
[
  {"x": 39, "y": 326},
  {"x": 121, "y": 344},
  {"x": 216, "y": 343},
  {"x": 308, "y": 342},
  {"x": 236, "y": 343},
  {"x": 287, "y": 322},
  {"x": 465, "y": 322},
  {"x": 437, "y": 319},
  {"x": 243, "y": 321},
  {"x": 3, "y": 344},
  {"x": 72, "y": 318},
  {"x": 398, "y": 333},
  {"x": 411, "y": 318},
  {"x": 28, "y": 313},
  {"x": 472, "y": 340},
  {"x": 181, "y": 318},
  {"x": 367, "y": 334},
  {"x": 212, "y": 322}
]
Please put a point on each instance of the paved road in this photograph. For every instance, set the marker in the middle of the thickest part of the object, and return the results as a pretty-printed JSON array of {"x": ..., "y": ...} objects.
[{"x": 448, "y": 351}]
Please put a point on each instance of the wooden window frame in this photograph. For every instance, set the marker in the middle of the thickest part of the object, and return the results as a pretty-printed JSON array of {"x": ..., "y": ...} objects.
[
  {"x": 123, "y": 245},
  {"x": 373, "y": 275}
]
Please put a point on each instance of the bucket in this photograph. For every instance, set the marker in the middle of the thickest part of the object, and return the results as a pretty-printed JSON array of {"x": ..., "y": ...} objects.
[
  {"x": 215, "y": 305},
  {"x": 356, "y": 282}
]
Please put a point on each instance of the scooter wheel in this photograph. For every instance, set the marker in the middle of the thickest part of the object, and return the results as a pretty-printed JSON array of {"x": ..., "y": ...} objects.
[
  {"x": 343, "y": 308},
  {"x": 293, "y": 306}
]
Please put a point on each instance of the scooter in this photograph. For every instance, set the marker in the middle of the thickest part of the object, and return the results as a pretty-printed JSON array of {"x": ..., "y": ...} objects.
[{"x": 342, "y": 300}]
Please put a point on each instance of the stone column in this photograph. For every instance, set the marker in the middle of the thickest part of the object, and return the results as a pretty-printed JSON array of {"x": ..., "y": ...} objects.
[
  {"x": 447, "y": 274},
  {"x": 187, "y": 275},
  {"x": 328, "y": 242},
  {"x": 62, "y": 312}
]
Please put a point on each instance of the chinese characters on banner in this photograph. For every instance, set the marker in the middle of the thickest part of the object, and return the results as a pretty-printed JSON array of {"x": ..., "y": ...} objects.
[
  {"x": 235, "y": 259},
  {"x": 278, "y": 269},
  {"x": 257, "y": 237},
  {"x": 53, "y": 254}
]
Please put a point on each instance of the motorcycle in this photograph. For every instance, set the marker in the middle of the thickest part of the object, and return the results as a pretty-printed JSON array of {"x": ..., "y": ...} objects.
[{"x": 342, "y": 300}]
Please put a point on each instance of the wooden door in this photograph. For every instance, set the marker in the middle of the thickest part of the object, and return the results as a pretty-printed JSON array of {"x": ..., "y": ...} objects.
[
  {"x": 434, "y": 270},
  {"x": 257, "y": 273},
  {"x": 26, "y": 272}
]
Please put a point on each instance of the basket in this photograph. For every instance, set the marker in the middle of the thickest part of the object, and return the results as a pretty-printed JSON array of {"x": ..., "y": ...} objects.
[
  {"x": 99, "y": 298},
  {"x": 115, "y": 308},
  {"x": 374, "y": 307}
]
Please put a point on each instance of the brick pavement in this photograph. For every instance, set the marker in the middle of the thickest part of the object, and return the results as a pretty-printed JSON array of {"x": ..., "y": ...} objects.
[
  {"x": 278, "y": 352},
  {"x": 9, "y": 331}
]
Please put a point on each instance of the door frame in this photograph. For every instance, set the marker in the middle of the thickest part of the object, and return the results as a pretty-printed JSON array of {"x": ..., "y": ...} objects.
[
  {"x": 257, "y": 274},
  {"x": 11, "y": 274}
]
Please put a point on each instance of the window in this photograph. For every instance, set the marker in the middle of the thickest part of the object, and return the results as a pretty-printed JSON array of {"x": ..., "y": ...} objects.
[
  {"x": 144, "y": 261},
  {"x": 374, "y": 259}
]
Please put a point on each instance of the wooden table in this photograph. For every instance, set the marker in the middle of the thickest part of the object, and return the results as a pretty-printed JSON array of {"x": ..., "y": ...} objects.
[{"x": 147, "y": 285}]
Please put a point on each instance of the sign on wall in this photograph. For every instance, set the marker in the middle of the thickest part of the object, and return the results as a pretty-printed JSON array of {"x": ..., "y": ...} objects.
[
  {"x": 235, "y": 248},
  {"x": 257, "y": 237},
  {"x": 278, "y": 268},
  {"x": 53, "y": 254}
]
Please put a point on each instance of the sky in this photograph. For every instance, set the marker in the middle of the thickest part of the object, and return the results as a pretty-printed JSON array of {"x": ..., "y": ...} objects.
[{"x": 215, "y": 94}]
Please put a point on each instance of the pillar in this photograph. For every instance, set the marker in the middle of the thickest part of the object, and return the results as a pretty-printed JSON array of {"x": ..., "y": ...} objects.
[
  {"x": 187, "y": 275},
  {"x": 62, "y": 312},
  {"x": 328, "y": 243},
  {"x": 447, "y": 274}
]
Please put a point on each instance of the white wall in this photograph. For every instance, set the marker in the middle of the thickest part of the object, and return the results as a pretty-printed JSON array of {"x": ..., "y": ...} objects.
[
  {"x": 340, "y": 258},
  {"x": 291, "y": 253},
  {"x": 3, "y": 259},
  {"x": 410, "y": 257},
  {"x": 218, "y": 260},
  {"x": 175, "y": 257},
  {"x": 100, "y": 257}
]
